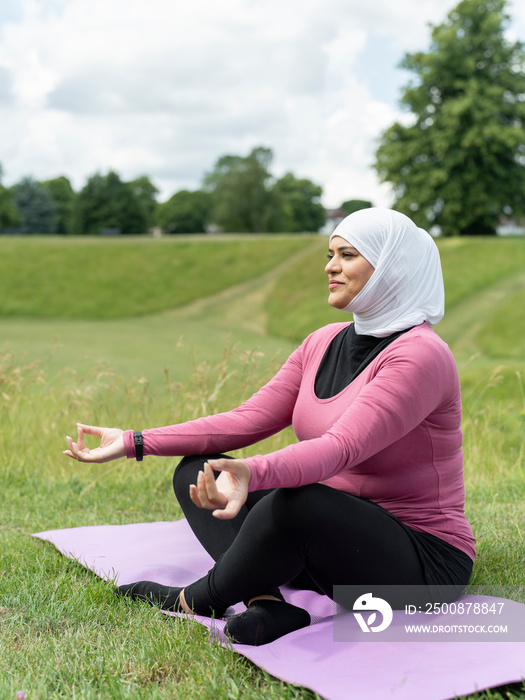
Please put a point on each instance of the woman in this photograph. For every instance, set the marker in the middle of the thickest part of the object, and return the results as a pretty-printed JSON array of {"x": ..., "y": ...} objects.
[{"x": 372, "y": 493}]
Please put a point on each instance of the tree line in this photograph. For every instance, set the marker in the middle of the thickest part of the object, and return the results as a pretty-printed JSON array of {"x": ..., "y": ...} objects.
[{"x": 238, "y": 195}]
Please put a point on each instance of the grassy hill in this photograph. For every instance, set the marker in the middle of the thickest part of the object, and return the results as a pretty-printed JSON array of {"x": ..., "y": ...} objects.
[
  {"x": 138, "y": 332},
  {"x": 89, "y": 278},
  {"x": 139, "y": 305},
  {"x": 110, "y": 298}
]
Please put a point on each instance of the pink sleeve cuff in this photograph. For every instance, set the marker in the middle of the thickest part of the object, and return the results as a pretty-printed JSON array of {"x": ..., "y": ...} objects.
[{"x": 129, "y": 444}]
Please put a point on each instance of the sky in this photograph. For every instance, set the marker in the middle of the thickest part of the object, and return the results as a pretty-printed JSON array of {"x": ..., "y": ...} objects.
[{"x": 165, "y": 87}]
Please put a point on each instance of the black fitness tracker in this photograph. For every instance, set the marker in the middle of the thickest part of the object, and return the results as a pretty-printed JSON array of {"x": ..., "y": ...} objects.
[{"x": 139, "y": 445}]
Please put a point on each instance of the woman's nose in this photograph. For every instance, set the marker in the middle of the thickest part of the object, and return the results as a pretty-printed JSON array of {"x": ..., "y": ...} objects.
[{"x": 331, "y": 266}]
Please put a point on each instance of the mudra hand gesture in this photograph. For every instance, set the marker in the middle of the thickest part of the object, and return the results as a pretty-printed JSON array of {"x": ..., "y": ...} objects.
[
  {"x": 111, "y": 444},
  {"x": 226, "y": 495}
]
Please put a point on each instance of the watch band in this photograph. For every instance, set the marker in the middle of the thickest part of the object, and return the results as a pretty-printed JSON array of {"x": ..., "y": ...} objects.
[{"x": 139, "y": 445}]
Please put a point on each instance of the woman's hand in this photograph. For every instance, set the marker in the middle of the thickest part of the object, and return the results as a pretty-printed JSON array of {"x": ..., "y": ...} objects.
[
  {"x": 111, "y": 444},
  {"x": 228, "y": 494}
]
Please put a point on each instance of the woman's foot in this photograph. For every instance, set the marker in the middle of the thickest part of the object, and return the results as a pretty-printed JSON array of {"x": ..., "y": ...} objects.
[
  {"x": 165, "y": 597},
  {"x": 264, "y": 621}
]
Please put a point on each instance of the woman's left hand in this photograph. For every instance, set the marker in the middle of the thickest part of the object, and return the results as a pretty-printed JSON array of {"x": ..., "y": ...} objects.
[{"x": 226, "y": 495}]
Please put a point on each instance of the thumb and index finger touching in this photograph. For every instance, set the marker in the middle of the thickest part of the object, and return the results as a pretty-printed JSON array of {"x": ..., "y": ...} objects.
[
  {"x": 78, "y": 450},
  {"x": 232, "y": 466},
  {"x": 90, "y": 429},
  {"x": 239, "y": 470}
]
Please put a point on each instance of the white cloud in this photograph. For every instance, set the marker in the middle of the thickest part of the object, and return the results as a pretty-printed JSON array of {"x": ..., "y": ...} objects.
[{"x": 158, "y": 88}]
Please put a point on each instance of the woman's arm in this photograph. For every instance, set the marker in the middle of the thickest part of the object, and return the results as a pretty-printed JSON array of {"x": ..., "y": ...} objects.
[
  {"x": 267, "y": 412},
  {"x": 409, "y": 386}
]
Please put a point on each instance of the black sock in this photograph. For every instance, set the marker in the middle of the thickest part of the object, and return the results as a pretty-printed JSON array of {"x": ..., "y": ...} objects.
[
  {"x": 264, "y": 621},
  {"x": 165, "y": 597}
]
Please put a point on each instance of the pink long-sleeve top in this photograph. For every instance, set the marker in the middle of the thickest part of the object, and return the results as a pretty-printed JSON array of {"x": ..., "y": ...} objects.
[{"x": 393, "y": 435}]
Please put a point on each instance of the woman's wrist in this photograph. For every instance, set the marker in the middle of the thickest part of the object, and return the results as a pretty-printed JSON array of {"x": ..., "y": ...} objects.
[
  {"x": 138, "y": 442},
  {"x": 253, "y": 482},
  {"x": 128, "y": 437}
]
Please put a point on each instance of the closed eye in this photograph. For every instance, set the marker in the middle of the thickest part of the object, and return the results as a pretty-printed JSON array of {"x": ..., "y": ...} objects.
[{"x": 343, "y": 255}]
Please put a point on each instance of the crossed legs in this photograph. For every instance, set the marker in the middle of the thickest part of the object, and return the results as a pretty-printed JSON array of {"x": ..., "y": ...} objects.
[{"x": 313, "y": 533}]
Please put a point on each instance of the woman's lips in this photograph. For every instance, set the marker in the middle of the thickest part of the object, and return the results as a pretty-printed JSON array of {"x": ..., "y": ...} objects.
[{"x": 333, "y": 284}]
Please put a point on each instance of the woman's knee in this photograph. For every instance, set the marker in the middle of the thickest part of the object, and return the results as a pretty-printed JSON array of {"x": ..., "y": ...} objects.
[
  {"x": 186, "y": 473},
  {"x": 294, "y": 506}
]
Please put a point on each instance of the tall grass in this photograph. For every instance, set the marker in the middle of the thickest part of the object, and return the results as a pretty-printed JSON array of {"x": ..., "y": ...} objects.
[
  {"x": 494, "y": 445},
  {"x": 63, "y": 633}
]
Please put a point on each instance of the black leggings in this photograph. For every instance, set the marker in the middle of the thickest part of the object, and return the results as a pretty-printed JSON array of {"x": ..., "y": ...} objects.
[{"x": 312, "y": 537}]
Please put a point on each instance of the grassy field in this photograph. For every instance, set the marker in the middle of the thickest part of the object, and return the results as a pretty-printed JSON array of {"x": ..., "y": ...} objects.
[{"x": 143, "y": 333}]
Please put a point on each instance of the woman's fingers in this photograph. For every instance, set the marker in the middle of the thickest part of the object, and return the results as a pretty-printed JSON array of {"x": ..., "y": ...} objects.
[
  {"x": 195, "y": 496},
  {"x": 207, "y": 492},
  {"x": 80, "y": 438},
  {"x": 75, "y": 451},
  {"x": 78, "y": 450},
  {"x": 111, "y": 444},
  {"x": 201, "y": 491},
  {"x": 91, "y": 429},
  {"x": 220, "y": 465},
  {"x": 216, "y": 498},
  {"x": 72, "y": 446},
  {"x": 230, "y": 511},
  {"x": 236, "y": 467}
]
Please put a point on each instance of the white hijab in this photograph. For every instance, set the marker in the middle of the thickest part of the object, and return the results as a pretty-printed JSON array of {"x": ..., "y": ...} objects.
[{"x": 406, "y": 287}]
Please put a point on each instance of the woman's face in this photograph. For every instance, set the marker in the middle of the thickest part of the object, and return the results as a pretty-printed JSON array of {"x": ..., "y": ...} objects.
[{"x": 348, "y": 272}]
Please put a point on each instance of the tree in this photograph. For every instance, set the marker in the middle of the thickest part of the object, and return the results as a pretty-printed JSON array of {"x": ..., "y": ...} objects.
[
  {"x": 8, "y": 211},
  {"x": 35, "y": 205},
  {"x": 106, "y": 203},
  {"x": 185, "y": 212},
  {"x": 145, "y": 193},
  {"x": 302, "y": 203},
  {"x": 63, "y": 197},
  {"x": 241, "y": 192},
  {"x": 460, "y": 163},
  {"x": 352, "y": 205}
]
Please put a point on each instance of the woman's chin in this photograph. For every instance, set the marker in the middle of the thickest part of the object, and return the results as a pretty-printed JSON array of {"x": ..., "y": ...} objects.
[{"x": 337, "y": 303}]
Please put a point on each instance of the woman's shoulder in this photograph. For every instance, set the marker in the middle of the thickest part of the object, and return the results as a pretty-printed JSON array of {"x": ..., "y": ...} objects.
[
  {"x": 422, "y": 342},
  {"x": 427, "y": 336},
  {"x": 420, "y": 359}
]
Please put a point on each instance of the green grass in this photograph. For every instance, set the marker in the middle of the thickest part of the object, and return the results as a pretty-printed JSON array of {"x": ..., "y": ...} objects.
[
  {"x": 62, "y": 632},
  {"x": 80, "y": 278}
]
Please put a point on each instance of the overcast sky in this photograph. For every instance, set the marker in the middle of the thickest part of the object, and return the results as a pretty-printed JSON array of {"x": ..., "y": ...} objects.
[{"x": 165, "y": 87}]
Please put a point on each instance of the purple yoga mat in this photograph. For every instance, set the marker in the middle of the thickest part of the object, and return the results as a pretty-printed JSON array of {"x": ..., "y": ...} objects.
[{"x": 167, "y": 552}]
